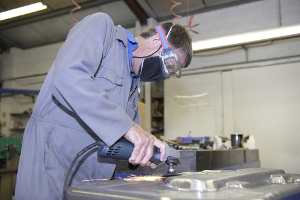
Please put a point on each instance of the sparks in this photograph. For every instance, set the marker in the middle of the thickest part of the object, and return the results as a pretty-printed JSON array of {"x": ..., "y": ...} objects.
[
  {"x": 134, "y": 178},
  {"x": 131, "y": 178},
  {"x": 92, "y": 180}
]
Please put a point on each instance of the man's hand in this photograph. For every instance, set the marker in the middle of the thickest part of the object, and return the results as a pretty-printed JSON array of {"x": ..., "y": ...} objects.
[{"x": 143, "y": 146}]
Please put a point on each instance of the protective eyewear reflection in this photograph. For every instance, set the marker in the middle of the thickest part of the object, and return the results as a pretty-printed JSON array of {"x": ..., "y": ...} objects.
[{"x": 172, "y": 67}]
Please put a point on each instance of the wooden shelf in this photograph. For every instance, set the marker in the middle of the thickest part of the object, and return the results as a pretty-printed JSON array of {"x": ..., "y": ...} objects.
[
  {"x": 158, "y": 97},
  {"x": 17, "y": 129},
  {"x": 5, "y": 170},
  {"x": 157, "y": 108},
  {"x": 157, "y": 115},
  {"x": 20, "y": 115}
]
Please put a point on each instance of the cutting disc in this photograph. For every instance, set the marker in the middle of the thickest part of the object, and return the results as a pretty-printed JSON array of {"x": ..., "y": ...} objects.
[{"x": 171, "y": 174}]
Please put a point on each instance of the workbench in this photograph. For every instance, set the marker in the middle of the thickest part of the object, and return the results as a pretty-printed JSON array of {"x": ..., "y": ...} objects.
[
  {"x": 10, "y": 149},
  {"x": 199, "y": 160},
  {"x": 8, "y": 178}
]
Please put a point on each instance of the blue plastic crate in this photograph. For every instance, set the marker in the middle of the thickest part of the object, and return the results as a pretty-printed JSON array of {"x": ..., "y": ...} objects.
[{"x": 190, "y": 139}]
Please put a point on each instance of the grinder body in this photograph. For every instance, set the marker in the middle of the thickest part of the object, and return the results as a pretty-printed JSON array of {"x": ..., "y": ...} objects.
[{"x": 122, "y": 150}]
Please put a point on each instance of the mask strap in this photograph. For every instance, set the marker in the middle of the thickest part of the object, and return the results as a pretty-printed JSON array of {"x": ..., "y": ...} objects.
[
  {"x": 141, "y": 68},
  {"x": 148, "y": 55}
]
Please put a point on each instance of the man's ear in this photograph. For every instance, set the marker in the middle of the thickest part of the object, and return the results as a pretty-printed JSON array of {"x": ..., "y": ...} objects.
[{"x": 155, "y": 41}]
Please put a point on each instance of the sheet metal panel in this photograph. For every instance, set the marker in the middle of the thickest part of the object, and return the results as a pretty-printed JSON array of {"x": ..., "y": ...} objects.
[{"x": 255, "y": 183}]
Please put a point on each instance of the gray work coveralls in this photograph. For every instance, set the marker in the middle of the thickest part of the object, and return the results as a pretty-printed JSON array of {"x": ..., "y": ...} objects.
[{"x": 75, "y": 108}]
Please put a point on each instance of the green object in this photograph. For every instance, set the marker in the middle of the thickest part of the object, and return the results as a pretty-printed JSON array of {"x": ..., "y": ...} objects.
[{"x": 10, "y": 147}]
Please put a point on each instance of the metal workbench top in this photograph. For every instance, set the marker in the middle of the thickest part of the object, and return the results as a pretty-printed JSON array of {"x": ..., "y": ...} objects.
[{"x": 199, "y": 160}]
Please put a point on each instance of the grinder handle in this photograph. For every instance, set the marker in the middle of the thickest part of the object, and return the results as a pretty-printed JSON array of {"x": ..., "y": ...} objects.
[
  {"x": 156, "y": 156},
  {"x": 122, "y": 150}
]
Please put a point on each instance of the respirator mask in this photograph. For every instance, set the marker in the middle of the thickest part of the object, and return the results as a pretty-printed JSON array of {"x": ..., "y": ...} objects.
[{"x": 160, "y": 67}]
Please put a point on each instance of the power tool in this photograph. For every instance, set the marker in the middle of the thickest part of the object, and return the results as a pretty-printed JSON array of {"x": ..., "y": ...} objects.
[{"x": 122, "y": 150}]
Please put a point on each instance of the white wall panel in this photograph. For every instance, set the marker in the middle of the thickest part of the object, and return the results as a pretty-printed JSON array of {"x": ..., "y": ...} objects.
[
  {"x": 227, "y": 104},
  {"x": 36, "y": 60},
  {"x": 7, "y": 61},
  {"x": 203, "y": 119},
  {"x": 290, "y": 12},
  {"x": 286, "y": 48},
  {"x": 232, "y": 57},
  {"x": 266, "y": 105}
]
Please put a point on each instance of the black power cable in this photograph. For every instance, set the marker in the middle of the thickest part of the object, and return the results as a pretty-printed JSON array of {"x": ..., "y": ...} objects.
[{"x": 89, "y": 147}]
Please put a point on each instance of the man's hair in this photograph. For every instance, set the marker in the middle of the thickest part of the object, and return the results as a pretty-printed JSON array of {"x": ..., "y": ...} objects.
[{"x": 179, "y": 39}]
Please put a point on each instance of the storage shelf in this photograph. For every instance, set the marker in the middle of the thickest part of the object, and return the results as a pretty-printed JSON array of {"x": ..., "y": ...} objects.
[
  {"x": 157, "y": 108},
  {"x": 17, "y": 129},
  {"x": 158, "y": 97},
  {"x": 20, "y": 115},
  {"x": 157, "y": 115}
]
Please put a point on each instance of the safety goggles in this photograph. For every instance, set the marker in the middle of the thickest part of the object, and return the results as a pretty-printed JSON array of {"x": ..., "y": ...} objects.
[{"x": 168, "y": 57}]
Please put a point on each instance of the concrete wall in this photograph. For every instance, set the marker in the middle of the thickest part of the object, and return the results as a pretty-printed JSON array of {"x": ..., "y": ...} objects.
[
  {"x": 253, "y": 91},
  {"x": 19, "y": 63}
]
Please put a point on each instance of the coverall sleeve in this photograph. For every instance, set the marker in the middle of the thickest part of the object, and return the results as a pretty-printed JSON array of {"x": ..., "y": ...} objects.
[{"x": 74, "y": 85}]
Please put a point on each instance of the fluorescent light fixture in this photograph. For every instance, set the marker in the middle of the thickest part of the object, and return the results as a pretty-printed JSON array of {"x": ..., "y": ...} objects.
[
  {"x": 246, "y": 38},
  {"x": 22, "y": 11}
]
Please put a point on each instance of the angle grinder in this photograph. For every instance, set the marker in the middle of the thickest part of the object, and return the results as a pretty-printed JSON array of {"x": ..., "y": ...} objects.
[{"x": 123, "y": 149}]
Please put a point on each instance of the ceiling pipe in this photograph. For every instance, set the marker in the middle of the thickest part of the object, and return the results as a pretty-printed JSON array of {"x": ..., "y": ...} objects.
[{"x": 138, "y": 11}]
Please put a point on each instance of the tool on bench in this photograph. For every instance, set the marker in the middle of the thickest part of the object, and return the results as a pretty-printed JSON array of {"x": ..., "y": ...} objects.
[{"x": 122, "y": 150}]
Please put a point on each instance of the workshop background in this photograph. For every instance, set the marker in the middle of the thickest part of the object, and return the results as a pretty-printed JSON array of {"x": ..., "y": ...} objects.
[{"x": 251, "y": 89}]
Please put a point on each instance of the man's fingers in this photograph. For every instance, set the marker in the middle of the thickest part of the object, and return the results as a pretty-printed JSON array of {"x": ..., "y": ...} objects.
[
  {"x": 148, "y": 155},
  {"x": 133, "y": 157},
  {"x": 162, "y": 147},
  {"x": 153, "y": 166},
  {"x": 135, "y": 153},
  {"x": 143, "y": 146},
  {"x": 140, "y": 156}
]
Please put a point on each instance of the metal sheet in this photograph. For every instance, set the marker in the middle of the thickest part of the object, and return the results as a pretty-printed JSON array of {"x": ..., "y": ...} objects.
[{"x": 255, "y": 183}]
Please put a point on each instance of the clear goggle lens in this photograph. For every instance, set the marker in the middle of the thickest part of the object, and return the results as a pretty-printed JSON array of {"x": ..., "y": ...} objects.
[{"x": 172, "y": 67}]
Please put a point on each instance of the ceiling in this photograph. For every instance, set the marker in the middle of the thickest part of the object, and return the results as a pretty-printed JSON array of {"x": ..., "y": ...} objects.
[{"x": 52, "y": 24}]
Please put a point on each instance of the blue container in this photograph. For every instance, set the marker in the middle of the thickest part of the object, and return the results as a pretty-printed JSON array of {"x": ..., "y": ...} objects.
[{"x": 190, "y": 139}]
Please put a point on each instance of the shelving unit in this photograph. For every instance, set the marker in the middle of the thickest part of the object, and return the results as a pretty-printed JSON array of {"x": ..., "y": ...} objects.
[
  {"x": 20, "y": 115},
  {"x": 17, "y": 129},
  {"x": 18, "y": 121},
  {"x": 158, "y": 106},
  {"x": 12, "y": 92},
  {"x": 157, "y": 109}
]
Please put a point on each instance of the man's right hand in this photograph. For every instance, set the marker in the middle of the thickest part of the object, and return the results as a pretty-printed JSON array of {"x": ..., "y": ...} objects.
[{"x": 143, "y": 146}]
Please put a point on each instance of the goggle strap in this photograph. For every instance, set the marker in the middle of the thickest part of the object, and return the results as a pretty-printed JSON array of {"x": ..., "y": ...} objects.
[
  {"x": 162, "y": 37},
  {"x": 167, "y": 50},
  {"x": 170, "y": 30}
]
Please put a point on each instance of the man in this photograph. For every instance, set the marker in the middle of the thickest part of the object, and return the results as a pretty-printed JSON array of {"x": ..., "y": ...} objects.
[{"x": 91, "y": 93}]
